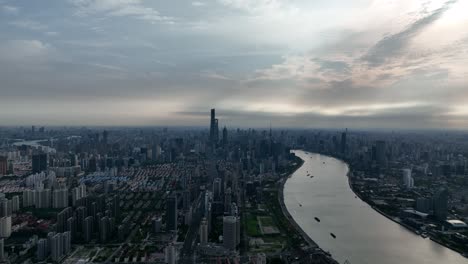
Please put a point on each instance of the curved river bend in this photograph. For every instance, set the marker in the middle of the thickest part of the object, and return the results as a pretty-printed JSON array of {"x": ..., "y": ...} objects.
[{"x": 363, "y": 236}]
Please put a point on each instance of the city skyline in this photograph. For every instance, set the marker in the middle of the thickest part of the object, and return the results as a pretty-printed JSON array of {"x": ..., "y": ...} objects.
[{"x": 376, "y": 64}]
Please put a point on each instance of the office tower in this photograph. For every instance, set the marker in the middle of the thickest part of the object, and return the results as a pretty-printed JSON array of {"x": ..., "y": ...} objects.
[
  {"x": 3, "y": 166},
  {"x": 15, "y": 204},
  {"x": 381, "y": 152},
  {"x": 39, "y": 162},
  {"x": 2, "y": 250},
  {"x": 42, "y": 251},
  {"x": 60, "y": 198},
  {"x": 227, "y": 200},
  {"x": 441, "y": 204},
  {"x": 343, "y": 142},
  {"x": 408, "y": 180},
  {"x": 171, "y": 213},
  {"x": 230, "y": 227},
  {"x": 57, "y": 247},
  {"x": 88, "y": 228},
  {"x": 157, "y": 225},
  {"x": 217, "y": 185},
  {"x": 170, "y": 254},
  {"x": 204, "y": 231},
  {"x": 104, "y": 229},
  {"x": 5, "y": 226},
  {"x": 225, "y": 136},
  {"x": 214, "y": 130}
]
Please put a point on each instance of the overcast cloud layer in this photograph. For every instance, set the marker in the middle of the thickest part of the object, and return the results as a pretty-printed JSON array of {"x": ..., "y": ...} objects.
[{"x": 302, "y": 63}]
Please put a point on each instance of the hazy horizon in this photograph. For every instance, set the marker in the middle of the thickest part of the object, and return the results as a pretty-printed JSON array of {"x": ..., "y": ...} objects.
[{"x": 365, "y": 64}]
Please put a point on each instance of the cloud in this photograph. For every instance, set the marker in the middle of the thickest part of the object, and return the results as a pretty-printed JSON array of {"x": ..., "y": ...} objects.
[
  {"x": 119, "y": 8},
  {"x": 198, "y": 3},
  {"x": 393, "y": 45},
  {"x": 12, "y": 10},
  {"x": 14, "y": 50},
  {"x": 28, "y": 24}
]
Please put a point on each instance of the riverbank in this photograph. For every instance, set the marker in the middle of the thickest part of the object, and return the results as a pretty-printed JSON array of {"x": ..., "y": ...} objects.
[
  {"x": 311, "y": 243},
  {"x": 392, "y": 218}
]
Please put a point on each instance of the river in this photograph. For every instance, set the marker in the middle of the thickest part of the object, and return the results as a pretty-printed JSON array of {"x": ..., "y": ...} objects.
[{"x": 363, "y": 236}]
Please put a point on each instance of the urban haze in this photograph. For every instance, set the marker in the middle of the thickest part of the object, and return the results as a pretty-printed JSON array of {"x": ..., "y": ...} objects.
[{"x": 234, "y": 131}]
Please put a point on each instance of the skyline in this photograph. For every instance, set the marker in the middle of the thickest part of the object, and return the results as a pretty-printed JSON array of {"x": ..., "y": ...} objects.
[{"x": 378, "y": 64}]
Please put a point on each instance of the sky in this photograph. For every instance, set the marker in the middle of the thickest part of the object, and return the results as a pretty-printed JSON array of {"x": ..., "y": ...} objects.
[{"x": 385, "y": 64}]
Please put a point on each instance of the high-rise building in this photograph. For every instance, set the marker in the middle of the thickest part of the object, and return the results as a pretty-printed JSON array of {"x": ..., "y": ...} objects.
[
  {"x": 157, "y": 225},
  {"x": 225, "y": 136},
  {"x": 343, "y": 143},
  {"x": 227, "y": 200},
  {"x": 204, "y": 231},
  {"x": 217, "y": 185},
  {"x": 57, "y": 247},
  {"x": 88, "y": 228},
  {"x": 60, "y": 198},
  {"x": 230, "y": 227},
  {"x": 3, "y": 166},
  {"x": 171, "y": 213},
  {"x": 186, "y": 200},
  {"x": 408, "y": 180},
  {"x": 15, "y": 203},
  {"x": 214, "y": 130},
  {"x": 42, "y": 251},
  {"x": 39, "y": 162},
  {"x": 170, "y": 254},
  {"x": 2, "y": 250},
  {"x": 441, "y": 204},
  {"x": 104, "y": 229},
  {"x": 5, "y": 226},
  {"x": 66, "y": 242},
  {"x": 381, "y": 153}
]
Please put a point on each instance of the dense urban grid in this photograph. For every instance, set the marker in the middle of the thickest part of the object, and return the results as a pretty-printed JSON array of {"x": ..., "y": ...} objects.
[{"x": 197, "y": 195}]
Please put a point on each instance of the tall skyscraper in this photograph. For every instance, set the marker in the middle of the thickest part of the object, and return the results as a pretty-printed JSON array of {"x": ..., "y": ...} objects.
[
  {"x": 39, "y": 162},
  {"x": 171, "y": 213},
  {"x": 227, "y": 200},
  {"x": 214, "y": 130},
  {"x": 441, "y": 204},
  {"x": 408, "y": 180},
  {"x": 217, "y": 185},
  {"x": 225, "y": 136},
  {"x": 170, "y": 254},
  {"x": 343, "y": 142},
  {"x": 230, "y": 227},
  {"x": 204, "y": 231},
  {"x": 381, "y": 150}
]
